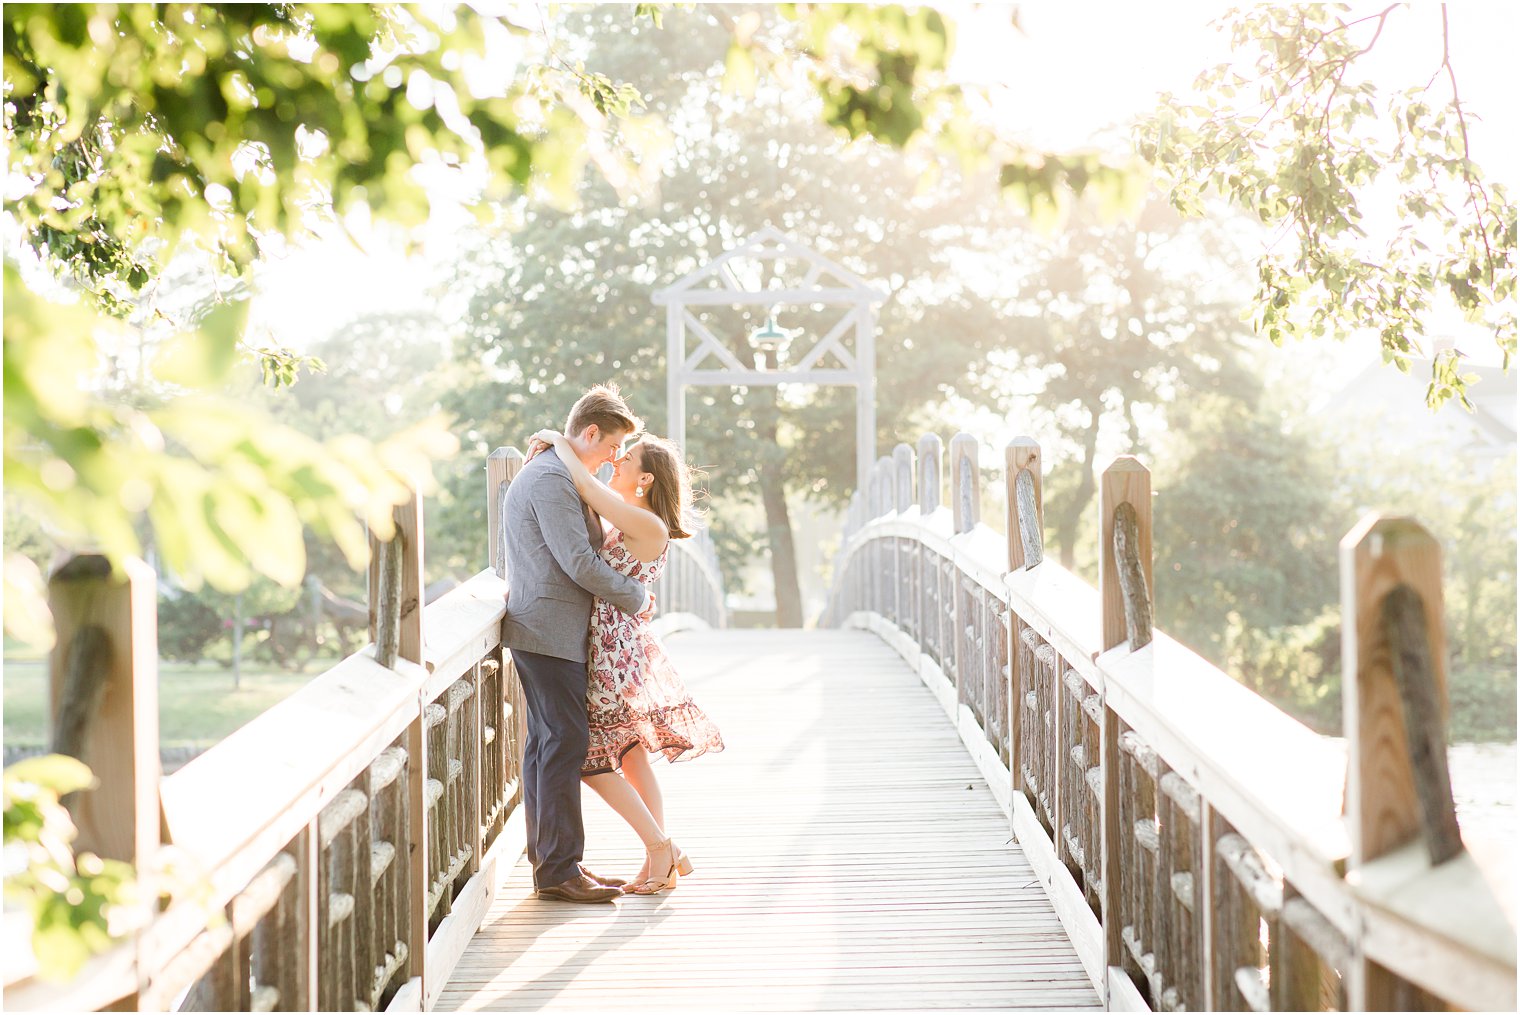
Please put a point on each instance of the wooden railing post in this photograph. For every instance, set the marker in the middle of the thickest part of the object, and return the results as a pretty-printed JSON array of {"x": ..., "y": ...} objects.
[
  {"x": 902, "y": 489},
  {"x": 965, "y": 504},
  {"x": 902, "y": 458},
  {"x": 1126, "y": 482},
  {"x": 930, "y": 451},
  {"x": 395, "y": 612},
  {"x": 1024, "y": 514},
  {"x": 1113, "y": 838},
  {"x": 1393, "y": 646},
  {"x": 1025, "y": 508},
  {"x": 308, "y": 920},
  {"x": 395, "y": 585},
  {"x": 1126, "y": 587},
  {"x": 885, "y": 571},
  {"x": 965, "y": 482},
  {"x": 502, "y": 466},
  {"x": 104, "y": 700},
  {"x": 103, "y": 703}
]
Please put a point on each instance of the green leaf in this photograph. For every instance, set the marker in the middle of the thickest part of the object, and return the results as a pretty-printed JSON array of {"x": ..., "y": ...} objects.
[
  {"x": 739, "y": 70},
  {"x": 204, "y": 358},
  {"x": 57, "y": 773}
]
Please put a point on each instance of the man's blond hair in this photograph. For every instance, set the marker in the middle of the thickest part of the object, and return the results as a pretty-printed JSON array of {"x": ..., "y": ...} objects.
[{"x": 605, "y": 409}]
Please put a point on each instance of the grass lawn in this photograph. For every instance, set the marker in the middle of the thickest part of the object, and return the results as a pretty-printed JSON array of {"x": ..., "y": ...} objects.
[{"x": 196, "y": 703}]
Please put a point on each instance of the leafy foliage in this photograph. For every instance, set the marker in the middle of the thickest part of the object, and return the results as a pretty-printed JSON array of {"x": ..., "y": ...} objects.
[
  {"x": 880, "y": 72},
  {"x": 1113, "y": 328},
  {"x": 226, "y": 491},
  {"x": 141, "y": 127},
  {"x": 77, "y": 904},
  {"x": 1305, "y": 145},
  {"x": 1246, "y": 526},
  {"x": 562, "y": 298},
  {"x": 1248, "y": 519}
]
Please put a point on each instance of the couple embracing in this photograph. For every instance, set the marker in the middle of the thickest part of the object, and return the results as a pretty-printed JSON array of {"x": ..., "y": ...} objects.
[{"x": 602, "y": 694}]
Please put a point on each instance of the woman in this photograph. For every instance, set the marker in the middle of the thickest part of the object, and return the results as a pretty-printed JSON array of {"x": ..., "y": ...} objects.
[{"x": 636, "y": 703}]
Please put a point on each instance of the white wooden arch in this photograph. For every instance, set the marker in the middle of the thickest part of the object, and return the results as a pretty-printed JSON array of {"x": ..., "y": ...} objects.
[{"x": 696, "y": 356}]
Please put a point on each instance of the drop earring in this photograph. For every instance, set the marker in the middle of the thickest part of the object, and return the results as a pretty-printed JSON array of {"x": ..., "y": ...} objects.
[{"x": 638, "y": 491}]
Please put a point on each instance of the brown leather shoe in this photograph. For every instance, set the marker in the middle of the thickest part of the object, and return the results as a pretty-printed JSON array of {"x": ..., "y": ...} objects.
[
  {"x": 579, "y": 889},
  {"x": 605, "y": 882}
]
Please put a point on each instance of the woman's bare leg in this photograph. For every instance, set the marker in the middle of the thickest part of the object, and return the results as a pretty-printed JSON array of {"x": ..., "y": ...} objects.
[
  {"x": 627, "y": 804},
  {"x": 640, "y": 775}
]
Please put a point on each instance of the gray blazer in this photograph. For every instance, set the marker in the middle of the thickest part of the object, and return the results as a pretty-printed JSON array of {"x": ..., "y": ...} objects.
[{"x": 553, "y": 568}]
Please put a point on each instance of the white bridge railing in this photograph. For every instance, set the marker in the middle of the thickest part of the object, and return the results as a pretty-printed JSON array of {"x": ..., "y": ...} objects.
[
  {"x": 339, "y": 851},
  {"x": 1203, "y": 849}
]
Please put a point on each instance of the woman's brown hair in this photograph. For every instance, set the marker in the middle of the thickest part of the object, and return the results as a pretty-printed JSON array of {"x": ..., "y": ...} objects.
[{"x": 670, "y": 493}]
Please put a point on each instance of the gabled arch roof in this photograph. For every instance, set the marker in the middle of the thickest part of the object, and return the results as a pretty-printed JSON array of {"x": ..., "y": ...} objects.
[{"x": 826, "y": 282}]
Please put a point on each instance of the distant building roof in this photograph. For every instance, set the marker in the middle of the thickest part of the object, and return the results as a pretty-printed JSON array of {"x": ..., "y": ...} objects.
[{"x": 1382, "y": 390}]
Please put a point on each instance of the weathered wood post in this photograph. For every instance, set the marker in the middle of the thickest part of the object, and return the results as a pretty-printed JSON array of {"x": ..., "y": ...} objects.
[
  {"x": 502, "y": 466},
  {"x": 885, "y": 571},
  {"x": 902, "y": 490},
  {"x": 931, "y": 626},
  {"x": 1393, "y": 647},
  {"x": 103, "y": 703},
  {"x": 850, "y": 591},
  {"x": 902, "y": 458},
  {"x": 930, "y": 451},
  {"x": 1024, "y": 514},
  {"x": 395, "y": 586},
  {"x": 965, "y": 482},
  {"x": 1125, "y": 484},
  {"x": 1125, "y": 581},
  {"x": 1025, "y": 510},
  {"x": 881, "y": 487},
  {"x": 395, "y": 609},
  {"x": 965, "y": 506}
]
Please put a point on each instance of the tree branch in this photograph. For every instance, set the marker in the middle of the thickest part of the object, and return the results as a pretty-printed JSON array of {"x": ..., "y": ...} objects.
[
  {"x": 1474, "y": 188},
  {"x": 1345, "y": 63}
]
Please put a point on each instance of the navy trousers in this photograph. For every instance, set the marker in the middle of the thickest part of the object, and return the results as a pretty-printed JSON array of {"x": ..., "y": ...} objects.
[{"x": 555, "y": 690}]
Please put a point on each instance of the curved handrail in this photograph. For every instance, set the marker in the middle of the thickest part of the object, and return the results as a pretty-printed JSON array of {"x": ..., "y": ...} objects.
[
  {"x": 1169, "y": 809},
  {"x": 350, "y": 837},
  {"x": 692, "y": 584}
]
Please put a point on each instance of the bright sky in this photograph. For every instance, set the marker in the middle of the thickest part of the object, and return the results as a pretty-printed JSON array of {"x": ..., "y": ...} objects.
[{"x": 1072, "y": 70}]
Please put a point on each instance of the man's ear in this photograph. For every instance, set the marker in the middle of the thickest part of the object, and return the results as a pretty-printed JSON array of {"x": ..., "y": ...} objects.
[{"x": 591, "y": 434}]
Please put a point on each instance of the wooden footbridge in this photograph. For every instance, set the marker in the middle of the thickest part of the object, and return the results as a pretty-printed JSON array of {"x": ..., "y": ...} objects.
[{"x": 989, "y": 785}]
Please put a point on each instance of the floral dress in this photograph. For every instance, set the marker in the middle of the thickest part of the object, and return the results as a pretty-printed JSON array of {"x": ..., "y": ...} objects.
[{"x": 633, "y": 694}]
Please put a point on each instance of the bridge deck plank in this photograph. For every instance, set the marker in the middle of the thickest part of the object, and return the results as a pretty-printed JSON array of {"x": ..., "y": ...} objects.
[{"x": 849, "y": 856}]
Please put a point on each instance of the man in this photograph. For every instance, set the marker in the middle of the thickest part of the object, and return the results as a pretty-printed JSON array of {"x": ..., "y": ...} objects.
[{"x": 553, "y": 571}]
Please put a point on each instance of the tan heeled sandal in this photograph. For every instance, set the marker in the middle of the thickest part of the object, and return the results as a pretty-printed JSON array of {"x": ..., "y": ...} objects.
[{"x": 663, "y": 856}]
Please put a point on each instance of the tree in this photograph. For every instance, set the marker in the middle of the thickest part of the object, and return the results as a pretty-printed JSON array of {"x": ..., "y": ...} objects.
[
  {"x": 140, "y": 132},
  {"x": 562, "y": 299},
  {"x": 230, "y": 125},
  {"x": 225, "y": 490},
  {"x": 1246, "y": 522},
  {"x": 144, "y": 131},
  {"x": 1306, "y": 144},
  {"x": 1112, "y": 328}
]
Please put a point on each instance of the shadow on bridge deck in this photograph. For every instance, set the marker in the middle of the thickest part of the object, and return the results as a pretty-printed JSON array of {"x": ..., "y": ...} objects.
[{"x": 849, "y": 856}]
